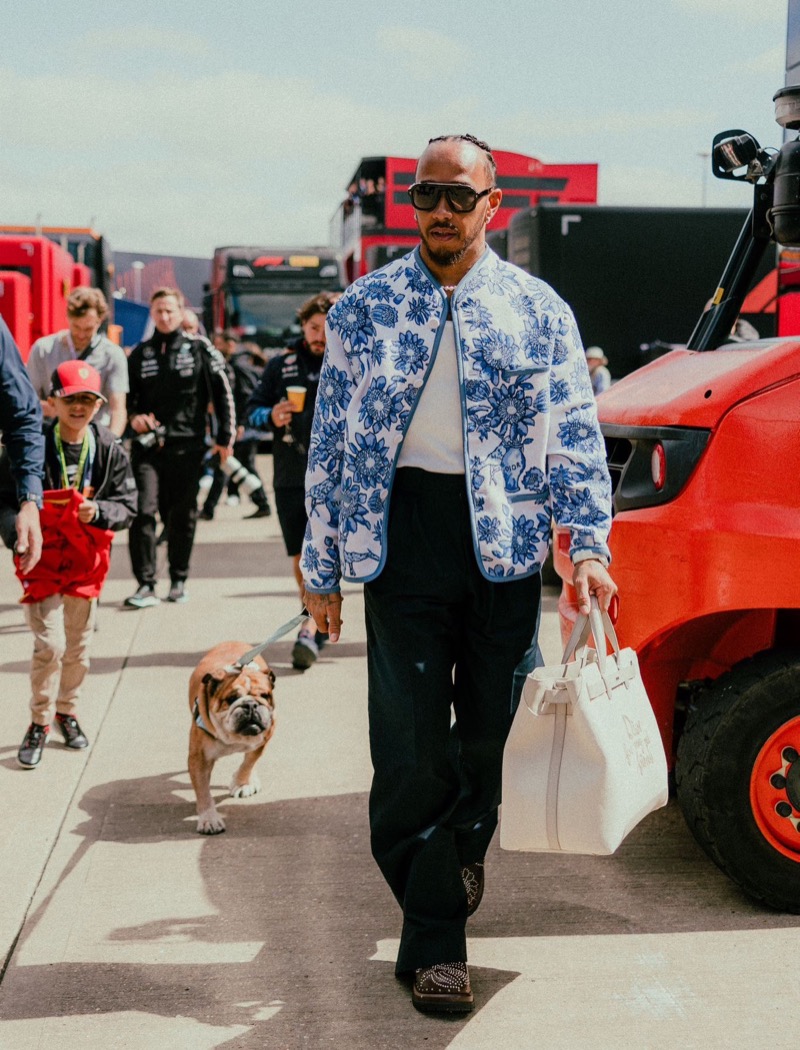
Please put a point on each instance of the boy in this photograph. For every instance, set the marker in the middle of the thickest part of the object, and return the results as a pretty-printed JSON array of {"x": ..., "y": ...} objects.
[{"x": 89, "y": 494}]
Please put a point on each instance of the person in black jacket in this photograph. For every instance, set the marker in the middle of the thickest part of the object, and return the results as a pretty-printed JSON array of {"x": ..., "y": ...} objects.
[
  {"x": 270, "y": 406},
  {"x": 95, "y": 495},
  {"x": 173, "y": 377}
]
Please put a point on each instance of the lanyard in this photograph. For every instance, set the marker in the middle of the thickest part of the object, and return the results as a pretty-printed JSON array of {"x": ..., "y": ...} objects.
[{"x": 76, "y": 484}]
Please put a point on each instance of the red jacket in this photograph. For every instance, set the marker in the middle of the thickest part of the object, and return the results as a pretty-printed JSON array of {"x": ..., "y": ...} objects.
[{"x": 75, "y": 557}]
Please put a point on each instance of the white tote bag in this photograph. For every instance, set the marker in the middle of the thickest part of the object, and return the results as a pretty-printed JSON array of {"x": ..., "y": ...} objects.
[{"x": 584, "y": 761}]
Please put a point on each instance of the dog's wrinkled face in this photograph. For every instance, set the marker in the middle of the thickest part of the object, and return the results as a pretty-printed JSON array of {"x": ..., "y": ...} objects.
[{"x": 240, "y": 702}]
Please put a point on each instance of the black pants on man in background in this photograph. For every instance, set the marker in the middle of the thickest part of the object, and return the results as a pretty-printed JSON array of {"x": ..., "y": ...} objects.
[
  {"x": 440, "y": 636},
  {"x": 168, "y": 479}
]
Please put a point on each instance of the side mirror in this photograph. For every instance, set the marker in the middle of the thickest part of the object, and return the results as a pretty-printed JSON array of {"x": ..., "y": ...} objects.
[{"x": 732, "y": 150}]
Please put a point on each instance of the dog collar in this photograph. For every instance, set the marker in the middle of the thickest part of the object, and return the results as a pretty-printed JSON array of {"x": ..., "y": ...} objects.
[{"x": 198, "y": 719}]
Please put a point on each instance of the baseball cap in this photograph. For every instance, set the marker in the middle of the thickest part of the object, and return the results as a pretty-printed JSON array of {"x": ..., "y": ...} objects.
[
  {"x": 594, "y": 353},
  {"x": 75, "y": 377}
]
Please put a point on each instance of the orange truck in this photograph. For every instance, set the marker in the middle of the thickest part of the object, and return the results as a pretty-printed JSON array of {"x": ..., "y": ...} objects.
[{"x": 703, "y": 446}]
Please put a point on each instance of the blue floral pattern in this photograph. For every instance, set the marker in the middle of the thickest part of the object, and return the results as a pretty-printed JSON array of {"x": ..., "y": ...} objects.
[{"x": 533, "y": 449}]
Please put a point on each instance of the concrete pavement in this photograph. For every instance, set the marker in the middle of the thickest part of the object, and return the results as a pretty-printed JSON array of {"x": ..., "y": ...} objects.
[{"x": 121, "y": 927}]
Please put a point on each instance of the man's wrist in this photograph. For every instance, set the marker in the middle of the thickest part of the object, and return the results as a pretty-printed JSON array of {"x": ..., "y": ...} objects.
[
  {"x": 32, "y": 497},
  {"x": 590, "y": 556}
]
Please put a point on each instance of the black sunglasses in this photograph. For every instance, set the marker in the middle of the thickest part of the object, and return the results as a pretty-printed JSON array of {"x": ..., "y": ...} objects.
[{"x": 426, "y": 195}]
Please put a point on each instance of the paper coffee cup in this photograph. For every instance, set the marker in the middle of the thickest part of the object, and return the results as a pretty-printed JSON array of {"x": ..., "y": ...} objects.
[{"x": 297, "y": 397}]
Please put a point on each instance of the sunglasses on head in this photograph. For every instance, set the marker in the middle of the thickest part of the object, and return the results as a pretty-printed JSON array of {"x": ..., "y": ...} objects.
[
  {"x": 426, "y": 195},
  {"x": 79, "y": 399}
]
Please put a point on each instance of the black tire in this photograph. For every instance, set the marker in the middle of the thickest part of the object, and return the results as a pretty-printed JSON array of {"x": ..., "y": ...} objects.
[{"x": 719, "y": 754}]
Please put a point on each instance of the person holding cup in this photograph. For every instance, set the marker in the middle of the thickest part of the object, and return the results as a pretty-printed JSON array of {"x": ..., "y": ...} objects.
[{"x": 284, "y": 400}]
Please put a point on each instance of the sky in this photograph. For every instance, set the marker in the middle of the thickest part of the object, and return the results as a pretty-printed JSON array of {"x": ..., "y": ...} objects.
[{"x": 179, "y": 127}]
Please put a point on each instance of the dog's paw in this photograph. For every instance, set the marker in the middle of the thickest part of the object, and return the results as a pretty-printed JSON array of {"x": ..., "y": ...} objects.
[
  {"x": 209, "y": 823},
  {"x": 245, "y": 790}
]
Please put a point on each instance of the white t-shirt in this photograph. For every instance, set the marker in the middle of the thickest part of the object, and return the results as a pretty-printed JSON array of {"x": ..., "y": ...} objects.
[{"x": 435, "y": 439}]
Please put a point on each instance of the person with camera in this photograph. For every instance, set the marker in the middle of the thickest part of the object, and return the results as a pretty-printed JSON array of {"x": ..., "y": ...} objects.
[
  {"x": 244, "y": 372},
  {"x": 284, "y": 400},
  {"x": 173, "y": 378}
]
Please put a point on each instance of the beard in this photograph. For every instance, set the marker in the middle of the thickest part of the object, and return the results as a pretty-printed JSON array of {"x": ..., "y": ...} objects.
[{"x": 445, "y": 256}]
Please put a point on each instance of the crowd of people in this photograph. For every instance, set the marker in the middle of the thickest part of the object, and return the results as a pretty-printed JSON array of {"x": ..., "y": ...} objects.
[
  {"x": 97, "y": 441},
  {"x": 427, "y": 425}
]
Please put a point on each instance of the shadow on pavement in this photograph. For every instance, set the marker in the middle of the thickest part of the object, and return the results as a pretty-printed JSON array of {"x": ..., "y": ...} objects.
[{"x": 297, "y": 877}]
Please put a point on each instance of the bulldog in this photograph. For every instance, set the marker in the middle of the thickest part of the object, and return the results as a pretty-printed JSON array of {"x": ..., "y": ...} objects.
[{"x": 232, "y": 711}]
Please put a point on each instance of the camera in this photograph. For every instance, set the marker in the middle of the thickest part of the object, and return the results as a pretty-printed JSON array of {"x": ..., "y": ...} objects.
[
  {"x": 241, "y": 476},
  {"x": 151, "y": 437}
]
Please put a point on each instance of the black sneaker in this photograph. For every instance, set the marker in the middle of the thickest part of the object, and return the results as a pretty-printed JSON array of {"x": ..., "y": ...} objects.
[
  {"x": 177, "y": 593},
  {"x": 206, "y": 515},
  {"x": 260, "y": 512},
  {"x": 143, "y": 598},
  {"x": 30, "y": 750},
  {"x": 74, "y": 736},
  {"x": 305, "y": 651}
]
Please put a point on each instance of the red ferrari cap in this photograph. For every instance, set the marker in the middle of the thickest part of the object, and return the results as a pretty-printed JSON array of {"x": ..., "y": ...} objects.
[{"x": 76, "y": 377}]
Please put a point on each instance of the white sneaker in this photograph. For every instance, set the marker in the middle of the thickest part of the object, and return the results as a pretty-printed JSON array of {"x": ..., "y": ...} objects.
[{"x": 232, "y": 501}]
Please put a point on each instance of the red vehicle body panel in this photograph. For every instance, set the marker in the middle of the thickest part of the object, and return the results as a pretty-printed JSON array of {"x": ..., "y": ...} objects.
[
  {"x": 736, "y": 520},
  {"x": 50, "y": 270},
  {"x": 15, "y": 308}
]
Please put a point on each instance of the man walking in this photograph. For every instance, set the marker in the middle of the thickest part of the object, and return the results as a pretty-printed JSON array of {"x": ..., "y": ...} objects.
[
  {"x": 82, "y": 340},
  {"x": 454, "y": 416},
  {"x": 173, "y": 378},
  {"x": 284, "y": 400}
]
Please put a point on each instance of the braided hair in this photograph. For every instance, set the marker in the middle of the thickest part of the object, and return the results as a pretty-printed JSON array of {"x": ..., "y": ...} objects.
[{"x": 491, "y": 166}]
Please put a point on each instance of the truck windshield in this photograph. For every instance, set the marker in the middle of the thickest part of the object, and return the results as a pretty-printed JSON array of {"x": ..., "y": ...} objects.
[{"x": 271, "y": 315}]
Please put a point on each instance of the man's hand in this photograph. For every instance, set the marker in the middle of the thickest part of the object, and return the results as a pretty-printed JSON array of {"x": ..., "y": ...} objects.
[
  {"x": 326, "y": 610},
  {"x": 223, "y": 451},
  {"x": 282, "y": 413},
  {"x": 87, "y": 511},
  {"x": 29, "y": 536},
  {"x": 143, "y": 422},
  {"x": 591, "y": 578}
]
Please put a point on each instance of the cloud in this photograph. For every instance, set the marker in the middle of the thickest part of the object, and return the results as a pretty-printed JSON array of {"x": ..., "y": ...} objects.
[
  {"x": 772, "y": 62},
  {"x": 424, "y": 53},
  {"x": 182, "y": 163},
  {"x": 147, "y": 40},
  {"x": 772, "y": 11}
]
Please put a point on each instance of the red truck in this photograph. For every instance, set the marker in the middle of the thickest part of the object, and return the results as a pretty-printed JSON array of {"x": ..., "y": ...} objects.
[
  {"x": 703, "y": 446},
  {"x": 36, "y": 277}
]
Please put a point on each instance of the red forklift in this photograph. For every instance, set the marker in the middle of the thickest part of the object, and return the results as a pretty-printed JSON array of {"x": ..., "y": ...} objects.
[{"x": 703, "y": 446}]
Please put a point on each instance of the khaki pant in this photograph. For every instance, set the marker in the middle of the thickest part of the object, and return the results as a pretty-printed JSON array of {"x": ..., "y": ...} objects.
[{"x": 62, "y": 628}]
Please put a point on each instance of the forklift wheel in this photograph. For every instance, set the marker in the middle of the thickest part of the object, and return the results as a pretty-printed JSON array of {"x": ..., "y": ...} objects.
[{"x": 738, "y": 776}]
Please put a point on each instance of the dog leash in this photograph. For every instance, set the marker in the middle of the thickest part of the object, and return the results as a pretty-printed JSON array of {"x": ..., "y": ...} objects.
[{"x": 245, "y": 659}]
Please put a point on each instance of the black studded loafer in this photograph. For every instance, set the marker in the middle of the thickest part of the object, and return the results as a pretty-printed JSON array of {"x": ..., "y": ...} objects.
[
  {"x": 443, "y": 988},
  {"x": 472, "y": 874},
  {"x": 30, "y": 750},
  {"x": 73, "y": 734}
]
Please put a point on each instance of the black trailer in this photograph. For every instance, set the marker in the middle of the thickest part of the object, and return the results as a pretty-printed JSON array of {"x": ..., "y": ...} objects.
[{"x": 634, "y": 276}]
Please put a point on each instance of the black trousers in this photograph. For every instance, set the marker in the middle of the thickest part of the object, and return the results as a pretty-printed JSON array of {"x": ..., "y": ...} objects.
[
  {"x": 168, "y": 480},
  {"x": 441, "y": 637}
]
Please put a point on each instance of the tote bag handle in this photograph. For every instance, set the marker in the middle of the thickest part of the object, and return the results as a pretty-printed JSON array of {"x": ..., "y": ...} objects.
[{"x": 599, "y": 625}]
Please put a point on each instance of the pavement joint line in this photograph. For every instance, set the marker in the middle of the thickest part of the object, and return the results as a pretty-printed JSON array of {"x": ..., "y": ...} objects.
[{"x": 67, "y": 806}]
